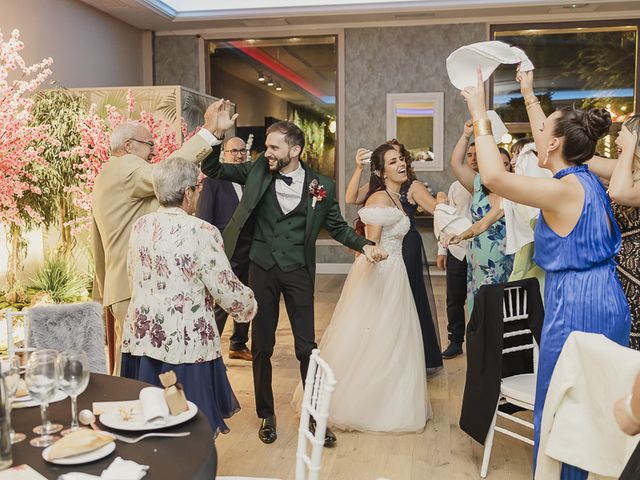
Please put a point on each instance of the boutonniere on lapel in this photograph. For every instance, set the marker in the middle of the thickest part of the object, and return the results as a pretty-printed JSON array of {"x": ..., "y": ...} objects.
[{"x": 318, "y": 192}]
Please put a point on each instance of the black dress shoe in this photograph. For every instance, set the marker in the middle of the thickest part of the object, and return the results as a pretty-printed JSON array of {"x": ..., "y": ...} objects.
[
  {"x": 267, "y": 432},
  {"x": 329, "y": 437},
  {"x": 453, "y": 350}
]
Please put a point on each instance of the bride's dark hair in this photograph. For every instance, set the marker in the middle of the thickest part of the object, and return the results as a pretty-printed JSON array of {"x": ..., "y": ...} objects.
[{"x": 376, "y": 179}]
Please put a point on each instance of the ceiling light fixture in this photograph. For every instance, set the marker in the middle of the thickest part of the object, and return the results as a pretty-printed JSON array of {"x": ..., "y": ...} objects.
[
  {"x": 261, "y": 77},
  {"x": 278, "y": 87},
  {"x": 270, "y": 82}
]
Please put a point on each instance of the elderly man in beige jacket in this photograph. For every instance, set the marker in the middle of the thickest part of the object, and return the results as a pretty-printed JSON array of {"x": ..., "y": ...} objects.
[{"x": 123, "y": 192}]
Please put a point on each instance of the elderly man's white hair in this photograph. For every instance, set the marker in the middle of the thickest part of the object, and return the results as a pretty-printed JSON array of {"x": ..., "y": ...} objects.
[
  {"x": 170, "y": 179},
  {"x": 124, "y": 132}
]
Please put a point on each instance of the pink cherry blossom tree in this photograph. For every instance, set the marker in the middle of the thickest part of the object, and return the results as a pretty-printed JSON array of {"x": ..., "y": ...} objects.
[
  {"x": 18, "y": 137},
  {"x": 93, "y": 151}
]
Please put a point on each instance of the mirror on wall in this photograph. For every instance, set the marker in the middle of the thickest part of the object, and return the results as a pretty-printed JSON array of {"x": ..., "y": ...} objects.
[{"x": 416, "y": 120}]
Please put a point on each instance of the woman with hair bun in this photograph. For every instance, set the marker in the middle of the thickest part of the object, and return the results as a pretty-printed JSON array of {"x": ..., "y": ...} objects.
[{"x": 576, "y": 236}]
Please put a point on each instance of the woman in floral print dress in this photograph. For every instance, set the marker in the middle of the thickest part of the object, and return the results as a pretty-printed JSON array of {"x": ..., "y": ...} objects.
[
  {"x": 178, "y": 272},
  {"x": 487, "y": 262}
]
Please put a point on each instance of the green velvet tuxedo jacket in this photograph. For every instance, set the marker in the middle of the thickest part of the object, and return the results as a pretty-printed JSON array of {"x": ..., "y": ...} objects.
[{"x": 282, "y": 240}]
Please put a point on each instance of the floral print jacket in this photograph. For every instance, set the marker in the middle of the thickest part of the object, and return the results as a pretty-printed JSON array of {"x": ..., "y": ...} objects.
[{"x": 178, "y": 271}]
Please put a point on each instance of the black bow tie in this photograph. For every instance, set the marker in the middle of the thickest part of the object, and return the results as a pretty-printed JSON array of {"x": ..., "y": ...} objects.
[{"x": 284, "y": 178}]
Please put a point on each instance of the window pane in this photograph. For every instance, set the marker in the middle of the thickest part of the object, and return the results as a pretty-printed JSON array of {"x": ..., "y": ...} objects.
[{"x": 580, "y": 66}]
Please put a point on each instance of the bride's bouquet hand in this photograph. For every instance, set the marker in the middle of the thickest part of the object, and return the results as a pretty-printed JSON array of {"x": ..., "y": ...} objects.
[
  {"x": 441, "y": 197},
  {"x": 374, "y": 254}
]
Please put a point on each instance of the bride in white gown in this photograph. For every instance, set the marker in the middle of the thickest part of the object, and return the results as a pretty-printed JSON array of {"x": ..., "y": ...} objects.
[{"x": 374, "y": 342}]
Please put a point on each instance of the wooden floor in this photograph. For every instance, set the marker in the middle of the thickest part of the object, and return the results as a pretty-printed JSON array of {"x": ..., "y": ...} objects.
[{"x": 441, "y": 452}]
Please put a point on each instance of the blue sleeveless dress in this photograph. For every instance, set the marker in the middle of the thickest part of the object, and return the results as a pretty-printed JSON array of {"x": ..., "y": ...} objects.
[{"x": 582, "y": 290}]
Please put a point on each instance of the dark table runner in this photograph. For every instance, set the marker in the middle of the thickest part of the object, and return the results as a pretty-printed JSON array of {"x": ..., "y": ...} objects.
[{"x": 192, "y": 457}]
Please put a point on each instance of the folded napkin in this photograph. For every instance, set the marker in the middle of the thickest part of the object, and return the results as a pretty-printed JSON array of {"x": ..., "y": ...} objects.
[
  {"x": 154, "y": 407},
  {"x": 446, "y": 223},
  {"x": 118, "y": 470},
  {"x": 463, "y": 63},
  {"x": 124, "y": 470}
]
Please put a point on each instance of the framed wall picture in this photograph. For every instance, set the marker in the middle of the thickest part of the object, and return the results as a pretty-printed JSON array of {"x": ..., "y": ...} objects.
[{"x": 416, "y": 120}]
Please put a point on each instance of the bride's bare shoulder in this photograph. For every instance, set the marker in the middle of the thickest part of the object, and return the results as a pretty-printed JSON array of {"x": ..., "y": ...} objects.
[{"x": 379, "y": 199}]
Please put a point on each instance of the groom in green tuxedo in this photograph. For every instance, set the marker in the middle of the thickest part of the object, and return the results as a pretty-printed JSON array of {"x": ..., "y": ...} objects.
[{"x": 284, "y": 205}]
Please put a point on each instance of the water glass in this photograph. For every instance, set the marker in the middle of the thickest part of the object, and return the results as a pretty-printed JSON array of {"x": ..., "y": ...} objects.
[
  {"x": 73, "y": 378},
  {"x": 42, "y": 383},
  {"x": 11, "y": 375}
]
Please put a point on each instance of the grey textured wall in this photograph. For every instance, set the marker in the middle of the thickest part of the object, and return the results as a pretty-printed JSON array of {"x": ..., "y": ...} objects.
[
  {"x": 176, "y": 61},
  {"x": 402, "y": 60}
]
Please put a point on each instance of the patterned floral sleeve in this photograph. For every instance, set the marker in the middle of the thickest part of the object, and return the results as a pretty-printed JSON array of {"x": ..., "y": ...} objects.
[{"x": 216, "y": 273}]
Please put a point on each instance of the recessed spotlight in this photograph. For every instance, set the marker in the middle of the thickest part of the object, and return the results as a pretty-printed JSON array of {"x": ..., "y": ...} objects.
[
  {"x": 270, "y": 82},
  {"x": 261, "y": 77}
]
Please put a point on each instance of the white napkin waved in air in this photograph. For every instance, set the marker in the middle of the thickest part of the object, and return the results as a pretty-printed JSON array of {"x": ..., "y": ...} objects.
[
  {"x": 464, "y": 62},
  {"x": 154, "y": 407},
  {"x": 119, "y": 469},
  {"x": 446, "y": 224},
  {"x": 498, "y": 128}
]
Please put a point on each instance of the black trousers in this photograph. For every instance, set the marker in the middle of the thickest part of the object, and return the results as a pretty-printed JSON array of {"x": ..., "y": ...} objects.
[
  {"x": 240, "y": 335},
  {"x": 456, "y": 297},
  {"x": 297, "y": 288}
]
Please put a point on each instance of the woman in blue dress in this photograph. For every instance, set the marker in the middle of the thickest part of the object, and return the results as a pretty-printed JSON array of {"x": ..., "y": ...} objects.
[{"x": 576, "y": 236}]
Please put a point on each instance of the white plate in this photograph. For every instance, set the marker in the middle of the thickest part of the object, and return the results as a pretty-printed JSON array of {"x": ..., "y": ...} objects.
[
  {"x": 83, "y": 457},
  {"x": 135, "y": 423},
  {"x": 29, "y": 402}
]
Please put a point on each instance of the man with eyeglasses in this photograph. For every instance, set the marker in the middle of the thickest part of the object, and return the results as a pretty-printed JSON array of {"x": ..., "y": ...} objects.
[
  {"x": 218, "y": 202},
  {"x": 122, "y": 193}
]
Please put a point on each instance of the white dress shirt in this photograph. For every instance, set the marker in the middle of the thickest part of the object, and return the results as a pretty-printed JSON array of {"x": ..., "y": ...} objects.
[
  {"x": 459, "y": 198},
  {"x": 238, "y": 188},
  {"x": 289, "y": 195}
]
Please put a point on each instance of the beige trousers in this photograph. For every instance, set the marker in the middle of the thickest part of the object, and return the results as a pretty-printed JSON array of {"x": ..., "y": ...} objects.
[{"x": 119, "y": 312}]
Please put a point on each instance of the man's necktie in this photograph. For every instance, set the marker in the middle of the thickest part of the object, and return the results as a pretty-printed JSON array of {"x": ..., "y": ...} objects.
[{"x": 284, "y": 178}]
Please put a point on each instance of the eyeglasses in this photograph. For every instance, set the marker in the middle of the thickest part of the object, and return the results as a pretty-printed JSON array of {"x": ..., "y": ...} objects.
[
  {"x": 197, "y": 186},
  {"x": 235, "y": 152},
  {"x": 148, "y": 144}
]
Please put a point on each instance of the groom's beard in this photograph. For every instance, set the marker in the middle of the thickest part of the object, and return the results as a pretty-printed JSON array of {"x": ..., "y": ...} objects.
[{"x": 280, "y": 163}]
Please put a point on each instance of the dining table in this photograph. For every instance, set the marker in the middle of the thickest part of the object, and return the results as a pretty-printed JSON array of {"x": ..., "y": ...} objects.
[{"x": 189, "y": 457}]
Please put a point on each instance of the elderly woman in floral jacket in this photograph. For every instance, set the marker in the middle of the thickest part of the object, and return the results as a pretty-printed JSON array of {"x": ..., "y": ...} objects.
[{"x": 178, "y": 271}]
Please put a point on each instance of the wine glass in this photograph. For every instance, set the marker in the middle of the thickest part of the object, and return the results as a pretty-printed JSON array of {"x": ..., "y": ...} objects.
[
  {"x": 11, "y": 374},
  {"x": 73, "y": 378},
  {"x": 42, "y": 383}
]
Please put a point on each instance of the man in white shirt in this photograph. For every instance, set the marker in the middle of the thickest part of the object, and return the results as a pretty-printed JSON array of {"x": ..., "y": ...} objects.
[
  {"x": 460, "y": 199},
  {"x": 218, "y": 202}
]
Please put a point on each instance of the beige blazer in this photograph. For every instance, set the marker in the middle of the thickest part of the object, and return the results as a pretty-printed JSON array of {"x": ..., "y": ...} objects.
[
  {"x": 122, "y": 193},
  {"x": 578, "y": 426}
]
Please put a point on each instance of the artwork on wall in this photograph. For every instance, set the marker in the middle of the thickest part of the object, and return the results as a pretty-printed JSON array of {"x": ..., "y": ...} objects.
[
  {"x": 416, "y": 120},
  {"x": 169, "y": 103}
]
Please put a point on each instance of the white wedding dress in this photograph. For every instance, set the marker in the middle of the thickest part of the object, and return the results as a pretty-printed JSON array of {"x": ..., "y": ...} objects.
[{"x": 374, "y": 342}]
